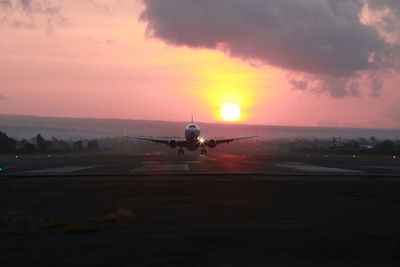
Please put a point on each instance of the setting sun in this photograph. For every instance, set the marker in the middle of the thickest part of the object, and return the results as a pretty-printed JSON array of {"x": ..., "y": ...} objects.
[{"x": 230, "y": 112}]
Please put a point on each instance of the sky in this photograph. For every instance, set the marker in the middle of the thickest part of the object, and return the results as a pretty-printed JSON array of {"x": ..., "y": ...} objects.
[{"x": 300, "y": 63}]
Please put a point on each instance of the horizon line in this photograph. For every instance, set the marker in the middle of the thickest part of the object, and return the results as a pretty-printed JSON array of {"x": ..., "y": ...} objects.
[{"x": 200, "y": 122}]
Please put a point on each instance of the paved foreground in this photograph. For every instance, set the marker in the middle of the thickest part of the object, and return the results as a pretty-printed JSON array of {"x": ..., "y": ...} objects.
[
  {"x": 221, "y": 209},
  {"x": 200, "y": 220}
]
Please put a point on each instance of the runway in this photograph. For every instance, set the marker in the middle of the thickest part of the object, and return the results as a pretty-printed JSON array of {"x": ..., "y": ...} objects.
[
  {"x": 215, "y": 210},
  {"x": 193, "y": 163}
]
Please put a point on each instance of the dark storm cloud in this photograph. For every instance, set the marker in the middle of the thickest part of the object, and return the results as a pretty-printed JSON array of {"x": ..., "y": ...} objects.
[
  {"x": 335, "y": 86},
  {"x": 322, "y": 39},
  {"x": 31, "y": 13},
  {"x": 25, "y": 3}
]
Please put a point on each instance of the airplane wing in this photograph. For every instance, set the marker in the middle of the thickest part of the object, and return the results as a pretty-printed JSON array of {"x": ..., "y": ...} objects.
[
  {"x": 160, "y": 140},
  {"x": 230, "y": 140}
]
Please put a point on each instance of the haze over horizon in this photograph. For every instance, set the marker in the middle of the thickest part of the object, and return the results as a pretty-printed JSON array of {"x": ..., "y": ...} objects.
[
  {"x": 183, "y": 122},
  {"x": 296, "y": 63}
]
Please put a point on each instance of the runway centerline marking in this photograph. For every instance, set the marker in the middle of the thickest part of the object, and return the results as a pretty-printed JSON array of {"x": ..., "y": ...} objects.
[
  {"x": 204, "y": 157},
  {"x": 314, "y": 168}
]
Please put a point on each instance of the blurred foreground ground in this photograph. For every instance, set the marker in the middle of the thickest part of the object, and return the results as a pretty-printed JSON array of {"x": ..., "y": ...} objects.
[{"x": 218, "y": 210}]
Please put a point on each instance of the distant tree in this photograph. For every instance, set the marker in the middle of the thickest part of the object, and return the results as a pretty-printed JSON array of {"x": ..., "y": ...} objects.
[
  {"x": 48, "y": 146},
  {"x": 63, "y": 145},
  {"x": 363, "y": 141},
  {"x": 315, "y": 144},
  {"x": 386, "y": 146},
  {"x": 334, "y": 143},
  {"x": 55, "y": 143},
  {"x": 106, "y": 143},
  {"x": 60, "y": 144},
  {"x": 25, "y": 146},
  {"x": 40, "y": 142},
  {"x": 397, "y": 143},
  {"x": 7, "y": 144},
  {"x": 21, "y": 144},
  {"x": 352, "y": 145},
  {"x": 43, "y": 145},
  {"x": 93, "y": 145},
  {"x": 29, "y": 148},
  {"x": 77, "y": 145}
]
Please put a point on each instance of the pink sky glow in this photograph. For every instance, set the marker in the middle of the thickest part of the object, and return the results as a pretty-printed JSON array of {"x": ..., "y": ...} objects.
[{"x": 96, "y": 61}]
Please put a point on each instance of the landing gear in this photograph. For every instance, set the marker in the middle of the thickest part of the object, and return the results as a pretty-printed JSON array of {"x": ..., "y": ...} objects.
[
  {"x": 203, "y": 151},
  {"x": 181, "y": 151}
]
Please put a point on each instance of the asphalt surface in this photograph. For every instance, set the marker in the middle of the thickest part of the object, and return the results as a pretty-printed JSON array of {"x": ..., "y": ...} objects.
[
  {"x": 193, "y": 163},
  {"x": 214, "y": 210}
]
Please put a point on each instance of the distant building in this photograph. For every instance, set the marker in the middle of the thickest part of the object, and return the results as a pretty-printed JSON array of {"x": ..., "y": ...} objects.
[{"x": 367, "y": 147}]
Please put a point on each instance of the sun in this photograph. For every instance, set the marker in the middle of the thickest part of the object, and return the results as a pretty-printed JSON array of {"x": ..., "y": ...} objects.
[{"x": 230, "y": 112}]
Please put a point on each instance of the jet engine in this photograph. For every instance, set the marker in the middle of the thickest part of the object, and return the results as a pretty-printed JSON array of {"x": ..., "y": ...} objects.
[
  {"x": 172, "y": 144},
  {"x": 212, "y": 143}
]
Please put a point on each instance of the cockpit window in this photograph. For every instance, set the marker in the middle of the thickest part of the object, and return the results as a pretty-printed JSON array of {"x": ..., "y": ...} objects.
[{"x": 192, "y": 126}]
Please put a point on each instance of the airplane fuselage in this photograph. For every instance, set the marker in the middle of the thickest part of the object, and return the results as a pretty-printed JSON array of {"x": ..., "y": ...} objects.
[{"x": 192, "y": 136}]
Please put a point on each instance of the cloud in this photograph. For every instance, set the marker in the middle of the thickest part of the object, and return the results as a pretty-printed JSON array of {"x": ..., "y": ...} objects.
[
  {"x": 106, "y": 41},
  {"x": 333, "y": 44},
  {"x": 103, "y": 7},
  {"x": 5, "y": 4},
  {"x": 31, "y": 13},
  {"x": 335, "y": 86},
  {"x": 2, "y": 97},
  {"x": 383, "y": 15},
  {"x": 376, "y": 85}
]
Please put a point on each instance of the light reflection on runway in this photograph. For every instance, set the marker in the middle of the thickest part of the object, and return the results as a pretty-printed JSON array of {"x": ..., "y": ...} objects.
[{"x": 192, "y": 163}]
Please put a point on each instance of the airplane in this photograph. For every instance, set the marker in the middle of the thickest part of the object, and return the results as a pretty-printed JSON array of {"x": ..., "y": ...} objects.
[{"x": 193, "y": 140}]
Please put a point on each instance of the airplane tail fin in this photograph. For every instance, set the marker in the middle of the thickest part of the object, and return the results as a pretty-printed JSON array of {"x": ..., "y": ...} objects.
[{"x": 192, "y": 119}]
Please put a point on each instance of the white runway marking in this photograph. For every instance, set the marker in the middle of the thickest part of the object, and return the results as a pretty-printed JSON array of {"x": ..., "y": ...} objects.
[
  {"x": 161, "y": 167},
  {"x": 313, "y": 168},
  {"x": 207, "y": 158},
  {"x": 66, "y": 169}
]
